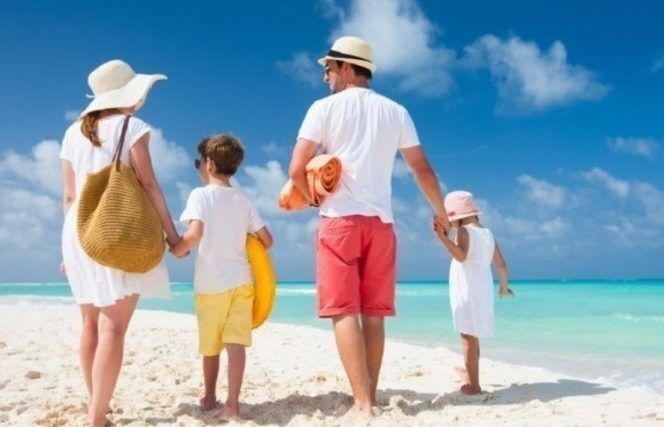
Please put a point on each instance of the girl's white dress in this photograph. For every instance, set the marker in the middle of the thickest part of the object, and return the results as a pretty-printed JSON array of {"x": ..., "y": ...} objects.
[
  {"x": 471, "y": 286},
  {"x": 90, "y": 282}
]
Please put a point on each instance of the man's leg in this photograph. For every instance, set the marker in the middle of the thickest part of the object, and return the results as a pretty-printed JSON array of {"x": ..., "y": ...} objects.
[
  {"x": 350, "y": 343},
  {"x": 373, "y": 331}
]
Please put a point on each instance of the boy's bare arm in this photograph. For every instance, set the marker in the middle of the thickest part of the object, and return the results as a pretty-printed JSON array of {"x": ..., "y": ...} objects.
[
  {"x": 189, "y": 240},
  {"x": 265, "y": 237},
  {"x": 501, "y": 267}
]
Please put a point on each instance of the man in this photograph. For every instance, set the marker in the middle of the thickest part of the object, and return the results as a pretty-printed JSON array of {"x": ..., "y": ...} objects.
[{"x": 356, "y": 244}]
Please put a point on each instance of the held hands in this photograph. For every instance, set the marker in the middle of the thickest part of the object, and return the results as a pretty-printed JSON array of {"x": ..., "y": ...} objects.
[
  {"x": 178, "y": 248},
  {"x": 440, "y": 226},
  {"x": 505, "y": 292}
]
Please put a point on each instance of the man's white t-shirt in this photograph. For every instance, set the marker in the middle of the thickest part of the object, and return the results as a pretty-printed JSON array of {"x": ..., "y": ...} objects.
[
  {"x": 365, "y": 130},
  {"x": 227, "y": 216}
]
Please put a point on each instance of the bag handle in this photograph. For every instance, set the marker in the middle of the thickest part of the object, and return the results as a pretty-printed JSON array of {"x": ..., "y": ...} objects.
[{"x": 118, "y": 150}]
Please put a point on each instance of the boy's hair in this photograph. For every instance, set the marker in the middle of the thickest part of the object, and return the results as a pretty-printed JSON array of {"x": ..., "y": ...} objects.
[{"x": 225, "y": 150}]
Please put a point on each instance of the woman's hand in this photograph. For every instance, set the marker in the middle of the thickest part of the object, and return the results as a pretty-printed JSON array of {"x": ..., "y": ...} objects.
[
  {"x": 63, "y": 270},
  {"x": 505, "y": 292}
]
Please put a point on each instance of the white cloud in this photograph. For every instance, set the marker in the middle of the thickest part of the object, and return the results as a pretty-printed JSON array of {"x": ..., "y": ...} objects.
[
  {"x": 616, "y": 186},
  {"x": 529, "y": 79},
  {"x": 41, "y": 168},
  {"x": 542, "y": 192},
  {"x": 71, "y": 115},
  {"x": 652, "y": 200},
  {"x": 272, "y": 148},
  {"x": 302, "y": 67},
  {"x": 658, "y": 65},
  {"x": 403, "y": 41},
  {"x": 264, "y": 186},
  {"x": 30, "y": 223},
  {"x": 645, "y": 147},
  {"x": 168, "y": 158}
]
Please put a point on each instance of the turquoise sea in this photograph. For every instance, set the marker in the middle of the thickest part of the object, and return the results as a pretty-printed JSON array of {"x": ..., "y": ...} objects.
[{"x": 611, "y": 331}]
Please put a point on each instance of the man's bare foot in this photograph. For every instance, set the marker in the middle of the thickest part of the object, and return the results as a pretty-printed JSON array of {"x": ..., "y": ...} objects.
[
  {"x": 470, "y": 390},
  {"x": 462, "y": 373},
  {"x": 208, "y": 403}
]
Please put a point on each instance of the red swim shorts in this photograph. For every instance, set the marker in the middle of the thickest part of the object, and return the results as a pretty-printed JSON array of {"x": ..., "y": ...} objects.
[{"x": 355, "y": 266}]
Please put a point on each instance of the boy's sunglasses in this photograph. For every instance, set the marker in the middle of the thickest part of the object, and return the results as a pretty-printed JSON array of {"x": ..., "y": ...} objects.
[{"x": 197, "y": 163}]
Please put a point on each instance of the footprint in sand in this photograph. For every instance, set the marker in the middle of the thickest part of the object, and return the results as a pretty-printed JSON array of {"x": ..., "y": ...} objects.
[
  {"x": 2, "y": 344},
  {"x": 33, "y": 375}
]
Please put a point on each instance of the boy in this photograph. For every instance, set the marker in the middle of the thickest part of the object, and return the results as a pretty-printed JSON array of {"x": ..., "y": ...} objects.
[{"x": 219, "y": 218}]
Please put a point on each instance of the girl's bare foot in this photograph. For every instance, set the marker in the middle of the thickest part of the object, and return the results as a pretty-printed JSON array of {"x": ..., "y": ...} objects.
[
  {"x": 208, "y": 403},
  {"x": 462, "y": 373},
  {"x": 470, "y": 390}
]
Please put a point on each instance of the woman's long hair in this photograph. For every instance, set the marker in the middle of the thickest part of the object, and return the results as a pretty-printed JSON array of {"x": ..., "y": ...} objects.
[
  {"x": 89, "y": 127},
  {"x": 90, "y": 123}
]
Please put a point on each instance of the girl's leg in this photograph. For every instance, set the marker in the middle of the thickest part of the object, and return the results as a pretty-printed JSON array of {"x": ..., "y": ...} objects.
[
  {"x": 471, "y": 353},
  {"x": 88, "y": 343},
  {"x": 113, "y": 323}
]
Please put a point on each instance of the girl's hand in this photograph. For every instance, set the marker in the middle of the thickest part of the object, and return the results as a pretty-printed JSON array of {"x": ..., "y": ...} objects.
[
  {"x": 505, "y": 292},
  {"x": 437, "y": 227}
]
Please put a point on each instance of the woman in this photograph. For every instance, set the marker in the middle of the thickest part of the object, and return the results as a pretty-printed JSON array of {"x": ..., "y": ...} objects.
[{"x": 107, "y": 297}]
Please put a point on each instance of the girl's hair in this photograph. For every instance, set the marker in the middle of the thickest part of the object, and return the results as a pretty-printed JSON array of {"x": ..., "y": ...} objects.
[{"x": 89, "y": 127}]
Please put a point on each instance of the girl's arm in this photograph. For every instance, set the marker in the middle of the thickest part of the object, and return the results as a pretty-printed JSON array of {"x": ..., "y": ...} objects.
[
  {"x": 140, "y": 160},
  {"x": 265, "y": 237},
  {"x": 189, "y": 240},
  {"x": 458, "y": 250},
  {"x": 501, "y": 266}
]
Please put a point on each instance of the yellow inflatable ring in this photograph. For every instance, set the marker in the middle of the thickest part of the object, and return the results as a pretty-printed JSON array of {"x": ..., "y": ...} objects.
[{"x": 265, "y": 282}]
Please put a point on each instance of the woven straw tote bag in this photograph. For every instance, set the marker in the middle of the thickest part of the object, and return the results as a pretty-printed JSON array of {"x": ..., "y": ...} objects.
[{"x": 117, "y": 224}]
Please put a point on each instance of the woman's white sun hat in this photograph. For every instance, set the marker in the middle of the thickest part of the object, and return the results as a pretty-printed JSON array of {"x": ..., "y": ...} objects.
[
  {"x": 353, "y": 50},
  {"x": 115, "y": 85}
]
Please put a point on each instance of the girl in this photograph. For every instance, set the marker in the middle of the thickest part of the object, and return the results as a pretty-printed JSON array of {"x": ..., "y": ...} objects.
[{"x": 471, "y": 282}]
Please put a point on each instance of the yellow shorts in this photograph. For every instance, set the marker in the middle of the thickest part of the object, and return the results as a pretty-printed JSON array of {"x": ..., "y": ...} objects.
[{"x": 224, "y": 318}]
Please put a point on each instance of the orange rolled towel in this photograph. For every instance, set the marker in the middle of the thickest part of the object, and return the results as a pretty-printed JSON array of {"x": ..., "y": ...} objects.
[{"x": 323, "y": 177}]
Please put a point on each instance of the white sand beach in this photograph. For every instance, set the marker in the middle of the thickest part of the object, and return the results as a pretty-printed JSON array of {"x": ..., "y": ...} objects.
[{"x": 293, "y": 378}]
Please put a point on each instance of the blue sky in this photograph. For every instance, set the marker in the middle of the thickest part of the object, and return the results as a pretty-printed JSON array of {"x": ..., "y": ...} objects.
[{"x": 550, "y": 115}]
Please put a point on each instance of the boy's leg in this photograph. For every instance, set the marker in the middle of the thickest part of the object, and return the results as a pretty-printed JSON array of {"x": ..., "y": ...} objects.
[
  {"x": 236, "y": 362},
  {"x": 471, "y": 358},
  {"x": 210, "y": 374},
  {"x": 210, "y": 311},
  {"x": 236, "y": 336}
]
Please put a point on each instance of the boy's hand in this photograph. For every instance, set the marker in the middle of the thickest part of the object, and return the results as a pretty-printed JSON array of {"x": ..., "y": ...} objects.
[
  {"x": 179, "y": 249},
  {"x": 505, "y": 292}
]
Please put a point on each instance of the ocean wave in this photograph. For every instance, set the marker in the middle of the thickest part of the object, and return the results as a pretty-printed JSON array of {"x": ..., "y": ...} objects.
[
  {"x": 35, "y": 301},
  {"x": 300, "y": 291},
  {"x": 636, "y": 319}
]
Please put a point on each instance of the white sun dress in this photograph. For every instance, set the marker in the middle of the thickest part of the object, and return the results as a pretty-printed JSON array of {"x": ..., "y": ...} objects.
[
  {"x": 91, "y": 282},
  {"x": 471, "y": 286}
]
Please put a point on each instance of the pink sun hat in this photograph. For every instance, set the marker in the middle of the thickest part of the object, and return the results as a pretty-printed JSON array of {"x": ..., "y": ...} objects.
[{"x": 459, "y": 205}]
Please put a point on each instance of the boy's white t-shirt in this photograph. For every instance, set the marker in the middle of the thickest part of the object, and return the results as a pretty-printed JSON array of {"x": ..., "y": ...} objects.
[
  {"x": 227, "y": 216},
  {"x": 365, "y": 130}
]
